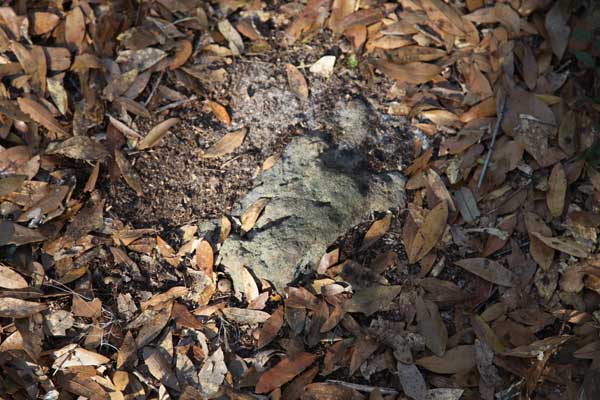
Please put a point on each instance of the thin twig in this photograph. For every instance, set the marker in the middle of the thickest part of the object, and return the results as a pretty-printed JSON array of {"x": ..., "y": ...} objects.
[
  {"x": 175, "y": 104},
  {"x": 491, "y": 149},
  {"x": 364, "y": 388},
  {"x": 154, "y": 88}
]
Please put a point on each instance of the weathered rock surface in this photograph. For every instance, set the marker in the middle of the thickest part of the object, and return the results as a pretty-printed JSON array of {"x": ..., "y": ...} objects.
[{"x": 318, "y": 190}]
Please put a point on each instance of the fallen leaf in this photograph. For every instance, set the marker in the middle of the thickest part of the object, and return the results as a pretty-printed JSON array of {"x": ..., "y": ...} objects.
[
  {"x": 232, "y": 35},
  {"x": 412, "y": 381},
  {"x": 557, "y": 190},
  {"x": 75, "y": 28},
  {"x": 220, "y": 112},
  {"x": 557, "y": 27},
  {"x": 80, "y": 148},
  {"x": 17, "y": 308},
  {"x": 296, "y": 388},
  {"x": 42, "y": 116},
  {"x": 270, "y": 329},
  {"x": 372, "y": 299},
  {"x": 485, "y": 333},
  {"x": 413, "y": 72},
  {"x": 249, "y": 287},
  {"x": 362, "y": 349},
  {"x": 212, "y": 373},
  {"x": 183, "y": 52},
  {"x": 564, "y": 244},
  {"x": 252, "y": 213},
  {"x": 296, "y": 81},
  {"x": 205, "y": 258},
  {"x": 226, "y": 145},
  {"x": 74, "y": 356},
  {"x": 330, "y": 391},
  {"x": 540, "y": 252},
  {"x": 131, "y": 177},
  {"x": 437, "y": 186},
  {"x": 376, "y": 231},
  {"x": 502, "y": 13},
  {"x": 87, "y": 309},
  {"x": 491, "y": 271},
  {"x": 429, "y": 233},
  {"x": 156, "y": 133},
  {"x": 455, "y": 360},
  {"x": 159, "y": 367},
  {"x": 245, "y": 316},
  {"x": 43, "y": 22},
  {"x": 10, "y": 279},
  {"x": 431, "y": 326},
  {"x": 539, "y": 347},
  {"x": 495, "y": 243},
  {"x": 283, "y": 372}
]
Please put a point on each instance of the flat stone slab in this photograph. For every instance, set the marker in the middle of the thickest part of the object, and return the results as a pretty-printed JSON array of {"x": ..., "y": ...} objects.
[{"x": 318, "y": 190}]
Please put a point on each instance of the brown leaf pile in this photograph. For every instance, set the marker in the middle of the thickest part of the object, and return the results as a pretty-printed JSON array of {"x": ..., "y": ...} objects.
[{"x": 495, "y": 291}]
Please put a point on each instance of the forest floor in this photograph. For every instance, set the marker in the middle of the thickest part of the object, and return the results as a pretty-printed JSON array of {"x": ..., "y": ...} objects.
[{"x": 331, "y": 199}]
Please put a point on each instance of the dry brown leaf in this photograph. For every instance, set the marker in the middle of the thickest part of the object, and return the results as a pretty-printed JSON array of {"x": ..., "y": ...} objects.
[
  {"x": 437, "y": 186},
  {"x": 88, "y": 309},
  {"x": 295, "y": 390},
  {"x": 362, "y": 349},
  {"x": 417, "y": 53},
  {"x": 444, "y": 16},
  {"x": 376, "y": 231},
  {"x": 205, "y": 258},
  {"x": 429, "y": 233},
  {"x": 500, "y": 12},
  {"x": 17, "y": 308},
  {"x": 296, "y": 81},
  {"x": 226, "y": 145},
  {"x": 539, "y": 347},
  {"x": 564, "y": 244},
  {"x": 42, "y": 116},
  {"x": 131, "y": 177},
  {"x": 557, "y": 190},
  {"x": 74, "y": 356},
  {"x": 244, "y": 316},
  {"x": 159, "y": 367},
  {"x": 157, "y": 133},
  {"x": 491, "y": 271},
  {"x": 495, "y": 243},
  {"x": 485, "y": 109},
  {"x": 485, "y": 333},
  {"x": 10, "y": 279},
  {"x": 440, "y": 117},
  {"x": 372, "y": 299},
  {"x": 252, "y": 213},
  {"x": 80, "y": 148},
  {"x": 270, "y": 329},
  {"x": 182, "y": 54},
  {"x": 413, "y": 72},
  {"x": 412, "y": 381},
  {"x": 455, "y": 360},
  {"x": 431, "y": 326},
  {"x": 283, "y": 372},
  {"x": 540, "y": 252},
  {"x": 232, "y": 35}
]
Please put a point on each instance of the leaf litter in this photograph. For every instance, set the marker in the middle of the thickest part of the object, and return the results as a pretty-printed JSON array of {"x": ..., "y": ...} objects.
[{"x": 489, "y": 282}]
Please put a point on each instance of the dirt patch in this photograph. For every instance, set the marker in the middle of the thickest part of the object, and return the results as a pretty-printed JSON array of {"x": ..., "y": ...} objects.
[{"x": 181, "y": 187}]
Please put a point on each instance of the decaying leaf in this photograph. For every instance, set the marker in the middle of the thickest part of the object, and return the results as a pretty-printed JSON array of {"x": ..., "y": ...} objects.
[
  {"x": 565, "y": 245},
  {"x": 412, "y": 381},
  {"x": 245, "y": 316},
  {"x": 212, "y": 373},
  {"x": 80, "y": 148},
  {"x": 226, "y": 145},
  {"x": 42, "y": 116},
  {"x": 489, "y": 270},
  {"x": 457, "y": 359}
]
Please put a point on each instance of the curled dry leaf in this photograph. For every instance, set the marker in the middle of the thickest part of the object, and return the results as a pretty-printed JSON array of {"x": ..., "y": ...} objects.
[
  {"x": 296, "y": 81},
  {"x": 557, "y": 190},
  {"x": 251, "y": 214},
  {"x": 227, "y": 144},
  {"x": 286, "y": 370},
  {"x": 491, "y": 271},
  {"x": 429, "y": 233},
  {"x": 182, "y": 54},
  {"x": 157, "y": 133}
]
